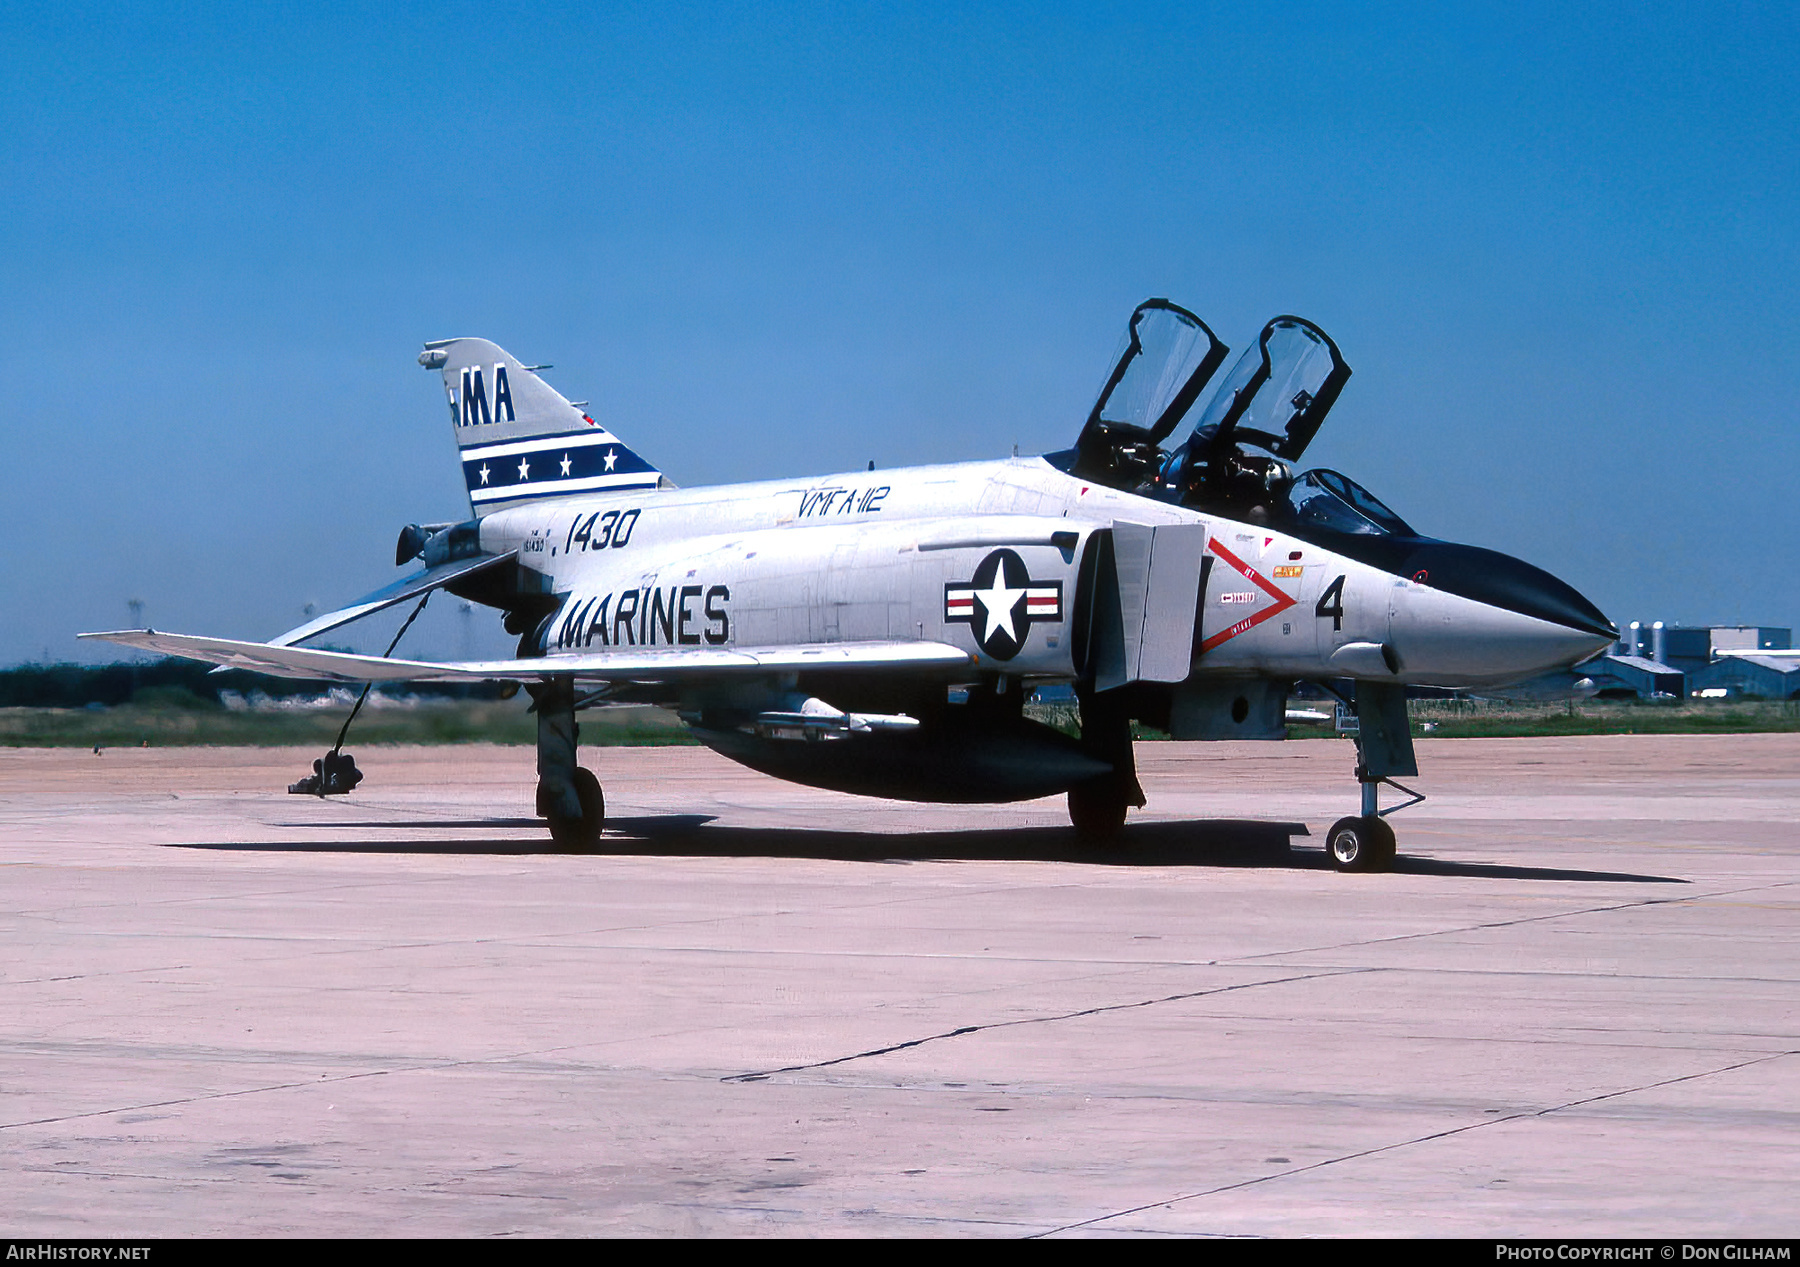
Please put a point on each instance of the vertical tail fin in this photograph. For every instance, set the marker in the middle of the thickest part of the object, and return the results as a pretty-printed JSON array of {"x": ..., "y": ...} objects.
[{"x": 519, "y": 440}]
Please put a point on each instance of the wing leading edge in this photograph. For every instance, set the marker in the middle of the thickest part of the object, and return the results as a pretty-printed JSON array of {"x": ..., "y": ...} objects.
[{"x": 634, "y": 666}]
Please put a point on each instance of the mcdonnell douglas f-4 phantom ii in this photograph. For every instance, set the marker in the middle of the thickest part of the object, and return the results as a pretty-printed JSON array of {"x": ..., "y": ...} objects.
[{"x": 878, "y": 633}]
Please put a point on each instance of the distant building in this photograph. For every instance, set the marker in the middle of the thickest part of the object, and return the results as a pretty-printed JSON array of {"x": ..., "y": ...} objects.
[
  {"x": 1761, "y": 676},
  {"x": 1686, "y": 648},
  {"x": 1624, "y": 676},
  {"x": 1698, "y": 644},
  {"x": 1751, "y": 638},
  {"x": 1703, "y": 654}
]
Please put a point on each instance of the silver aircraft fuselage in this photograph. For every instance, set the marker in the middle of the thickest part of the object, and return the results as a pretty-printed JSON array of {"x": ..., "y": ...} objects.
[{"x": 871, "y": 555}]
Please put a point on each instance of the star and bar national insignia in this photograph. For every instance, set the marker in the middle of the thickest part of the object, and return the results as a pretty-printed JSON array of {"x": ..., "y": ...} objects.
[{"x": 1001, "y": 602}]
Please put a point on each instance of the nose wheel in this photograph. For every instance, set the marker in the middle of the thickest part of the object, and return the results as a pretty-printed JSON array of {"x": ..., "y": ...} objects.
[
  {"x": 1362, "y": 843},
  {"x": 1366, "y": 842},
  {"x": 1097, "y": 807}
]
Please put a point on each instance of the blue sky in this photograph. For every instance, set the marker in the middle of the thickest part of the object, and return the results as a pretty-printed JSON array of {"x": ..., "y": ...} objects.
[{"x": 1559, "y": 251}]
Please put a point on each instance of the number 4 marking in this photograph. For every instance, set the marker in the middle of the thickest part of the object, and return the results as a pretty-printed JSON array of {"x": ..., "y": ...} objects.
[{"x": 1331, "y": 603}]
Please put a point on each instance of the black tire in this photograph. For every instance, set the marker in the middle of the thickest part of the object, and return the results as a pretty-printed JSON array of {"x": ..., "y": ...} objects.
[
  {"x": 1360, "y": 844},
  {"x": 1098, "y": 813},
  {"x": 582, "y": 833}
]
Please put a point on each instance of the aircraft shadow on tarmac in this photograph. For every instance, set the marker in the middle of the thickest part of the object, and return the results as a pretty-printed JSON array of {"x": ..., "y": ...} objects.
[{"x": 1195, "y": 843}]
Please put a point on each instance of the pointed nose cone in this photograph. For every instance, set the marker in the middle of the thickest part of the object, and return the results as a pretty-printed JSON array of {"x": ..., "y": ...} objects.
[
  {"x": 1499, "y": 580},
  {"x": 1527, "y": 622},
  {"x": 1533, "y": 646}
]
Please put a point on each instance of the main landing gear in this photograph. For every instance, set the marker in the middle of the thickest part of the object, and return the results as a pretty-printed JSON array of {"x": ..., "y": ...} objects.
[
  {"x": 1097, "y": 810},
  {"x": 582, "y": 831},
  {"x": 1097, "y": 807},
  {"x": 568, "y": 796}
]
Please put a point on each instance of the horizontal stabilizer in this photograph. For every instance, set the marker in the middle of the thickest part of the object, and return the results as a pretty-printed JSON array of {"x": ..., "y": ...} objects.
[
  {"x": 401, "y": 590},
  {"x": 646, "y": 665}
]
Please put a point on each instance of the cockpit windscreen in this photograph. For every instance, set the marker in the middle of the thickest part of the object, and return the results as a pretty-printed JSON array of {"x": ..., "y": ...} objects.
[{"x": 1326, "y": 499}]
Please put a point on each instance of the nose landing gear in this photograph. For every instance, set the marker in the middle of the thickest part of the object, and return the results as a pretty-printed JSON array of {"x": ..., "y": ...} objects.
[
  {"x": 1365, "y": 842},
  {"x": 1383, "y": 748},
  {"x": 1097, "y": 811}
]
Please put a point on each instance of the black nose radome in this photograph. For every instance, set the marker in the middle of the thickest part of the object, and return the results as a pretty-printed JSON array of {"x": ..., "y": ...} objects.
[{"x": 1487, "y": 576}]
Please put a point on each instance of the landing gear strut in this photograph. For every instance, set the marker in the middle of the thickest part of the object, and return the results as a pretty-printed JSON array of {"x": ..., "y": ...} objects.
[
  {"x": 568, "y": 796},
  {"x": 1097, "y": 808},
  {"x": 1384, "y": 748}
]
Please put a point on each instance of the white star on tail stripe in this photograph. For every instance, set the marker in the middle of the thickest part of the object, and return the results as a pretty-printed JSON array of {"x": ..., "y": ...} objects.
[
  {"x": 997, "y": 601},
  {"x": 524, "y": 468},
  {"x": 611, "y": 459},
  {"x": 566, "y": 464},
  {"x": 484, "y": 472}
]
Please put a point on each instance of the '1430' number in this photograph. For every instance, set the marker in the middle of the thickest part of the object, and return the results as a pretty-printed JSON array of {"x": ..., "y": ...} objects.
[{"x": 599, "y": 531}]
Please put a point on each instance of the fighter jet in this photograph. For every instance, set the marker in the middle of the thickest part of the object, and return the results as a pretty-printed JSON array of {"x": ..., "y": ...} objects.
[{"x": 879, "y": 633}]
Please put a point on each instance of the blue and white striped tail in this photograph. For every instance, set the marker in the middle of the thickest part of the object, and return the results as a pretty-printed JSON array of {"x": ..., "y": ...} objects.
[
  {"x": 552, "y": 466},
  {"x": 518, "y": 438}
]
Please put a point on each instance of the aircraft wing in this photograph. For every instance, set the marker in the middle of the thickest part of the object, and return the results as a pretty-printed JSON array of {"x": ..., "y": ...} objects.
[
  {"x": 401, "y": 590},
  {"x": 645, "y": 665}
]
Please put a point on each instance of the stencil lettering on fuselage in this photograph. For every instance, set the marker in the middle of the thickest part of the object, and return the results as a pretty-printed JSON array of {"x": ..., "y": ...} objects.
[
  {"x": 1283, "y": 600},
  {"x": 816, "y": 503},
  {"x": 658, "y": 616}
]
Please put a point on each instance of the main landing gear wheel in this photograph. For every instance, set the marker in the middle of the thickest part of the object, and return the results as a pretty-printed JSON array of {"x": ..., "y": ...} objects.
[
  {"x": 1098, "y": 814},
  {"x": 581, "y": 833},
  {"x": 1365, "y": 843}
]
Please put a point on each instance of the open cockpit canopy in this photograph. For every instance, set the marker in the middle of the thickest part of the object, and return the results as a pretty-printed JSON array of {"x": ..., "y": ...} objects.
[
  {"x": 1279, "y": 392},
  {"x": 1272, "y": 403},
  {"x": 1167, "y": 358}
]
